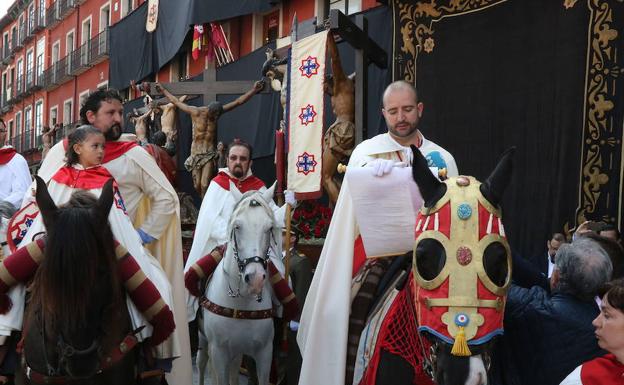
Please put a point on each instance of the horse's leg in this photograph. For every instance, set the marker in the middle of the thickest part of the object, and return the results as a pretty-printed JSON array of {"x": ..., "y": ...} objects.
[
  {"x": 263, "y": 363},
  {"x": 202, "y": 357},
  {"x": 219, "y": 365},
  {"x": 235, "y": 370}
]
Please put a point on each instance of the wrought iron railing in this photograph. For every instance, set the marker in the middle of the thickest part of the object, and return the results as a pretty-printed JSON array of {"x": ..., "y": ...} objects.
[{"x": 22, "y": 35}]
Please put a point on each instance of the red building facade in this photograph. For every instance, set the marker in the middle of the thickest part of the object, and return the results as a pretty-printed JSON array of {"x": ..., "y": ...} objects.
[{"x": 54, "y": 52}]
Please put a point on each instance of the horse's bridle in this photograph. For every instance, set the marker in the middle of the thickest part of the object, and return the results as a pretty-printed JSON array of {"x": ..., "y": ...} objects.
[{"x": 243, "y": 262}]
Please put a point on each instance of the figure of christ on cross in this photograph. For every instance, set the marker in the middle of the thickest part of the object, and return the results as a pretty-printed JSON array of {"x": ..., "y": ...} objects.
[
  {"x": 339, "y": 138},
  {"x": 202, "y": 161},
  {"x": 168, "y": 119}
]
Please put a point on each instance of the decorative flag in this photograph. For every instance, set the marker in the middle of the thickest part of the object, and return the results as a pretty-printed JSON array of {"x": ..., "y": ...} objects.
[
  {"x": 198, "y": 34},
  {"x": 306, "y": 99},
  {"x": 152, "y": 16}
]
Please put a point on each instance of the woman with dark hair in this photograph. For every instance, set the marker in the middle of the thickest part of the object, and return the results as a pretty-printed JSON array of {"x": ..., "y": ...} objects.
[{"x": 607, "y": 369}]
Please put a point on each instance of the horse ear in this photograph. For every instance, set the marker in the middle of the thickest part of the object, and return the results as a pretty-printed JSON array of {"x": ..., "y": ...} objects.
[
  {"x": 430, "y": 187},
  {"x": 493, "y": 188},
  {"x": 268, "y": 194},
  {"x": 47, "y": 207},
  {"x": 235, "y": 192},
  {"x": 105, "y": 201}
]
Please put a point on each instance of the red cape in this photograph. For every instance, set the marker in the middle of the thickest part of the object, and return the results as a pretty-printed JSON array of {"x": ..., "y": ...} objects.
[
  {"x": 247, "y": 184},
  {"x": 89, "y": 179},
  {"x": 6, "y": 154},
  {"x": 605, "y": 370}
]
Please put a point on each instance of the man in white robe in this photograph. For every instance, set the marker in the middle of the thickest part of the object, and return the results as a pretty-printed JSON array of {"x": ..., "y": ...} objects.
[
  {"x": 151, "y": 203},
  {"x": 218, "y": 204},
  {"x": 14, "y": 172},
  {"x": 324, "y": 326}
]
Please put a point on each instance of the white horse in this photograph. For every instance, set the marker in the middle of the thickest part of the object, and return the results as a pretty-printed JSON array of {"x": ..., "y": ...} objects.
[{"x": 238, "y": 309}]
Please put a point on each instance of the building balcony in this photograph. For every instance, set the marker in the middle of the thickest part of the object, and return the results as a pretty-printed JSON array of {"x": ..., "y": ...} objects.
[
  {"x": 24, "y": 142},
  {"x": 21, "y": 40},
  {"x": 80, "y": 59},
  {"x": 31, "y": 82},
  {"x": 5, "y": 106},
  {"x": 36, "y": 22},
  {"x": 10, "y": 94},
  {"x": 39, "y": 80},
  {"x": 52, "y": 15},
  {"x": 5, "y": 58},
  {"x": 100, "y": 47},
  {"x": 90, "y": 53},
  {"x": 66, "y": 7},
  {"x": 20, "y": 87},
  {"x": 57, "y": 74},
  {"x": 16, "y": 142},
  {"x": 27, "y": 141}
]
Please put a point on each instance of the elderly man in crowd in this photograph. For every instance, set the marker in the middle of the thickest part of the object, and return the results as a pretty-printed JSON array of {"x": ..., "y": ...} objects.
[{"x": 548, "y": 335}]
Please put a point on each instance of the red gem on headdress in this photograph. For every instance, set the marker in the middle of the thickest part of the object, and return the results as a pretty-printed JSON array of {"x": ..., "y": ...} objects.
[{"x": 464, "y": 255}]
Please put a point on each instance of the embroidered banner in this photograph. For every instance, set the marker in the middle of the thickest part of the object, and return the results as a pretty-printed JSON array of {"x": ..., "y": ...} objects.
[{"x": 306, "y": 71}]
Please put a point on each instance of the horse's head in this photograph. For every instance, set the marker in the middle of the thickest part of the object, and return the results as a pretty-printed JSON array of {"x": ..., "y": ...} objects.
[
  {"x": 253, "y": 235},
  {"x": 462, "y": 269},
  {"x": 76, "y": 284}
]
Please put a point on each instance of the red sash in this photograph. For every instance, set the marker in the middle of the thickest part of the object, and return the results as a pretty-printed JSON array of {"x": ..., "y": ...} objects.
[
  {"x": 247, "y": 184},
  {"x": 605, "y": 370},
  {"x": 89, "y": 179},
  {"x": 6, "y": 154},
  {"x": 112, "y": 150}
]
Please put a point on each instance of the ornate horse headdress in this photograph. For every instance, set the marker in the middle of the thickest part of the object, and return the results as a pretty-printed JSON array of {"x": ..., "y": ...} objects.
[{"x": 462, "y": 261}]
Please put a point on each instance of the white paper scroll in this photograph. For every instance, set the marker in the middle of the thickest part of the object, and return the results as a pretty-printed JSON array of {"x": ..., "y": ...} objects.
[{"x": 385, "y": 209}]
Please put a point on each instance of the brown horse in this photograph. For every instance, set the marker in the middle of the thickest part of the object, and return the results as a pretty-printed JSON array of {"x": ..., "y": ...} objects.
[{"x": 77, "y": 316}]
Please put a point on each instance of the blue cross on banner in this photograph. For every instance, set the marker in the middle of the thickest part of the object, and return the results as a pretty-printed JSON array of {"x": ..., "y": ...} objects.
[
  {"x": 309, "y": 67},
  {"x": 306, "y": 163},
  {"x": 307, "y": 114}
]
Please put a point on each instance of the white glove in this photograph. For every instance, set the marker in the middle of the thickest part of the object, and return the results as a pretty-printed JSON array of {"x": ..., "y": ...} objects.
[
  {"x": 381, "y": 167},
  {"x": 289, "y": 198},
  {"x": 293, "y": 325}
]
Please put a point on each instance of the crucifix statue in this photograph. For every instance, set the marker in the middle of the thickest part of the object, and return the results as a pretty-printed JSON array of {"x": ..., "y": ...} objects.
[{"x": 202, "y": 161}]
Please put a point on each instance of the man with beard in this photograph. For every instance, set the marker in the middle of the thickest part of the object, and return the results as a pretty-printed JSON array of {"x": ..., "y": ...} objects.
[
  {"x": 218, "y": 205},
  {"x": 150, "y": 202},
  {"x": 324, "y": 349}
]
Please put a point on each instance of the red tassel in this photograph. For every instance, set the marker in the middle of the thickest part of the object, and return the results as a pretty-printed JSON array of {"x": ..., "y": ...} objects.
[
  {"x": 5, "y": 303},
  {"x": 163, "y": 325}
]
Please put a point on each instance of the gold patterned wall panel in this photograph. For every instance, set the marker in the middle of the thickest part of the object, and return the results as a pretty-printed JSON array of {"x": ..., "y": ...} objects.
[{"x": 600, "y": 189}]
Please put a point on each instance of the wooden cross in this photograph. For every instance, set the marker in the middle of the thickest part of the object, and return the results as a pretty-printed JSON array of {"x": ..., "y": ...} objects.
[
  {"x": 366, "y": 51},
  {"x": 209, "y": 87}
]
